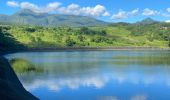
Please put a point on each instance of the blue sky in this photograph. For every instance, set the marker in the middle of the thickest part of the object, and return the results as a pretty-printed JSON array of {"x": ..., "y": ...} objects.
[{"x": 107, "y": 10}]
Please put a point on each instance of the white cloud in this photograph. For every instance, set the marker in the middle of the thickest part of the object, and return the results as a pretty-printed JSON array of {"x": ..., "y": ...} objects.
[
  {"x": 73, "y": 9},
  {"x": 168, "y": 10},
  {"x": 134, "y": 12},
  {"x": 120, "y": 15},
  {"x": 149, "y": 12},
  {"x": 97, "y": 10},
  {"x": 166, "y": 15},
  {"x": 73, "y": 6},
  {"x": 12, "y": 3},
  {"x": 53, "y": 5},
  {"x": 27, "y": 5},
  {"x": 106, "y": 14},
  {"x": 70, "y": 9},
  {"x": 123, "y": 14},
  {"x": 167, "y": 21},
  {"x": 48, "y": 8}
]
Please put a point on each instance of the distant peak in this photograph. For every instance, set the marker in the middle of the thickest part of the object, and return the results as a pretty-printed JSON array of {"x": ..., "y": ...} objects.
[
  {"x": 147, "y": 21},
  {"x": 25, "y": 11},
  {"x": 28, "y": 12}
]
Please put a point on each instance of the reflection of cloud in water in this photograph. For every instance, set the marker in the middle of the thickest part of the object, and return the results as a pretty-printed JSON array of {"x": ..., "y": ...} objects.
[
  {"x": 72, "y": 83},
  {"x": 139, "y": 97},
  {"x": 133, "y": 79},
  {"x": 43, "y": 83},
  {"x": 135, "y": 97},
  {"x": 96, "y": 81},
  {"x": 107, "y": 98},
  {"x": 168, "y": 81},
  {"x": 149, "y": 80}
]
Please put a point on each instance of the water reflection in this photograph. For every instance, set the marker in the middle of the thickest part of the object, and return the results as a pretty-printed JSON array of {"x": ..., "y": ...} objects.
[
  {"x": 102, "y": 75},
  {"x": 139, "y": 97},
  {"x": 96, "y": 81}
]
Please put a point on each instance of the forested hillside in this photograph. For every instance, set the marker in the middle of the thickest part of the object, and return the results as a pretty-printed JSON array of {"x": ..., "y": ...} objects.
[{"x": 117, "y": 34}]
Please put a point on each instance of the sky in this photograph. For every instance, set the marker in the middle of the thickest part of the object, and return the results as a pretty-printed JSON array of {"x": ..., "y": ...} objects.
[{"x": 106, "y": 10}]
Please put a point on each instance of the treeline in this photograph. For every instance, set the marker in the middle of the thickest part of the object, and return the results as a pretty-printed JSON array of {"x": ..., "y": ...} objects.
[
  {"x": 153, "y": 31},
  {"x": 7, "y": 41}
]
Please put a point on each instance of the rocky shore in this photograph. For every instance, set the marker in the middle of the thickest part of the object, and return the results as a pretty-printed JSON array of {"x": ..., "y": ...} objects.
[{"x": 10, "y": 86}]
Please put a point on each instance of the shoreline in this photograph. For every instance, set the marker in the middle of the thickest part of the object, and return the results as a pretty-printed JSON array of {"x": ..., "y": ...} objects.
[
  {"x": 10, "y": 86},
  {"x": 5, "y": 52},
  {"x": 85, "y": 49},
  {"x": 69, "y": 49}
]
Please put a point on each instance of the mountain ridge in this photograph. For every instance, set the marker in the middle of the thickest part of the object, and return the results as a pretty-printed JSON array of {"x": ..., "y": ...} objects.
[
  {"x": 24, "y": 17},
  {"x": 147, "y": 21},
  {"x": 28, "y": 17}
]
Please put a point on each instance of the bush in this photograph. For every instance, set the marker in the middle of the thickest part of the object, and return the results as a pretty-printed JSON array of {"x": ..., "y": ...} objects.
[
  {"x": 30, "y": 29},
  {"x": 70, "y": 42}
]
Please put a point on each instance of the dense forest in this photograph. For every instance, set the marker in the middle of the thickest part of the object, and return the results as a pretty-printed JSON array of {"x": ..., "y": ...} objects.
[{"x": 119, "y": 34}]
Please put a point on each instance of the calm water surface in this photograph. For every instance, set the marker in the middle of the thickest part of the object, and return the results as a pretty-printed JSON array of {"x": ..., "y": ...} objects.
[{"x": 97, "y": 75}]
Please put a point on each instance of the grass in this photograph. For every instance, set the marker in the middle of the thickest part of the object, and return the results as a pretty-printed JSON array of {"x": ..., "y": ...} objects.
[{"x": 21, "y": 66}]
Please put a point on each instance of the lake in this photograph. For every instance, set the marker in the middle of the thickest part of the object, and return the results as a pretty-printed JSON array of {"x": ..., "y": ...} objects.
[{"x": 95, "y": 75}]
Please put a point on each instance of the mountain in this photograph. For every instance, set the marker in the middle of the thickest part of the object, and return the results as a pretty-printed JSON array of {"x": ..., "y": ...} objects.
[
  {"x": 147, "y": 21},
  {"x": 24, "y": 17}
]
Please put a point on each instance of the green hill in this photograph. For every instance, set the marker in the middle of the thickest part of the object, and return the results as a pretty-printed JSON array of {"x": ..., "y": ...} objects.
[{"x": 147, "y": 21}]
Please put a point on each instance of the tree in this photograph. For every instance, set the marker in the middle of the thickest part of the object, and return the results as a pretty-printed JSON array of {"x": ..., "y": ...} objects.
[
  {"x": 150, "y": 37},
  {"x": 29, "y": 29},
  {"x": 168, "y": 36},
  {"x": 169, "y": 39},
  {"x": 84, "y": 30},
  {"x": 103, "y": 32},
  {"x": 7, "y": 41},
  {"x": 70, "y": 42},
  {"x": 98, "y": 39},
  {"x": 81, "y": 38}
]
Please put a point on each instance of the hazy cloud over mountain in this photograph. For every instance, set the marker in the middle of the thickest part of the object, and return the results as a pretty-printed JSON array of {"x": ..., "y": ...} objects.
[
  {"x": 149, "y": 12},
  {"x": 123, "y": 14}
]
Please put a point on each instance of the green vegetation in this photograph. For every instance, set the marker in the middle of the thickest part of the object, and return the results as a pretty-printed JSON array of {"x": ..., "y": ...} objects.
[
  {"x": 22, "y": 66},
  {"x": 7, "y": 41},
  {"x": 27, "y": 29},
  {"x": 156, "y": 35},
  {"x": 144, "y": 34}
]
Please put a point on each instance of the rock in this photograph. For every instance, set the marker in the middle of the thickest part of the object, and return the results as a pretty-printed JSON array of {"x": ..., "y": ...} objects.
[{"x": 10, "y": 86}]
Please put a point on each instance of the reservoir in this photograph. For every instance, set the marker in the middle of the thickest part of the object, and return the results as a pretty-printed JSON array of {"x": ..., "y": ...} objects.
[{"x": 94, "y": 75}]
